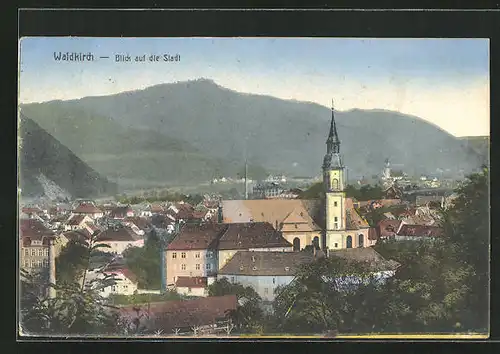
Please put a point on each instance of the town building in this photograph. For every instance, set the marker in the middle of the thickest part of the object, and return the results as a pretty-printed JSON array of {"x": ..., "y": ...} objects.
[
  {"x": 125, "y": 282},
  {"x": 192, "y": 286},
  {"x": 297, "y": 219},
  {"x": 264, "y": 271},
  {"x": 344, "y": 227},
  {"x": 202, "y": 316},
  {"x": 193, "y": 252},
  {"x": 253, "y": 236},
  {"x": 119, "y": 238},
  {"x": 121, "y": 212},
  {"x": 89, "y": 209}
]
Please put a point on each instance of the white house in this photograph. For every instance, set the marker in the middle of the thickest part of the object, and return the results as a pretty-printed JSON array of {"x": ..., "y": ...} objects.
[
  {"x": 126, "y": 282},
  {"x": 77, "y": 222},
  {"x": 119, "y": 238},
  {"x": 263, "y": 271},
  {"x": 192, "y": 286}
]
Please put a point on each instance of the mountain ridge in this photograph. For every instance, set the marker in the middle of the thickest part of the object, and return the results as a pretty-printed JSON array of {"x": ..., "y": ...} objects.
[{"x": 287, "y": 136}]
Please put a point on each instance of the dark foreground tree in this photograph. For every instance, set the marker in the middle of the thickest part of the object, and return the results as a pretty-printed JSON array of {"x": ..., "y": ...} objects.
[
  {"x": 248, "y": 315},
  {"x": 78, "y": 307}
]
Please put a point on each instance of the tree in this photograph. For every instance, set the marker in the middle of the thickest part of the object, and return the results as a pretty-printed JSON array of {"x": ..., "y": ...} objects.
[
  {"x": 77, "y": 308},
  {"x": 145, "y": 262},
  {"x": 315, "y": 191},
  {"x": 248, "y": 315}
]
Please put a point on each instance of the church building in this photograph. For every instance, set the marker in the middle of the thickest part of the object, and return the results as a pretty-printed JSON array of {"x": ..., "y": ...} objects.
[{"x": 344, "y": 227}]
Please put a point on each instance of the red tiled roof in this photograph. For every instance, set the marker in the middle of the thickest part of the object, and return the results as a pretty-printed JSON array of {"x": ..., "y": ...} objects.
[
  {"x": 420, "y": 231},
  {"x": 183, "y": 314},
  {"x": 138, "y": 221},
  {"x": 388, "y": 227},
  {"x": 31, "y": 229},
  {"x": 192, "y": 237},
  {"x": 252, "y": 235},
  {"x": 191, "y": 282},
  {"x": 87, "y": 209},
  {"x": 120, "y": 211},
  {"x": 31, "y": 210},
  {"x": 75, "y": 220},
  {"x": 119, "y": 234}
]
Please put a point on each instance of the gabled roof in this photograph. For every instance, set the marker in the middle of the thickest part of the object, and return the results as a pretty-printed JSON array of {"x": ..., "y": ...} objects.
[
  {"x": 127, "y": 273},
  {"x": 167, "y": 316},
  {"x": 75, "y": 219},
  {"x": 273, "y": 211},
  {"x": 420, "y": 231},
  {"x": 31, "y": 229},
  {"x": 198, "y": 237},
  {"x": 191, "y": 282},
  {"x": 120, "y": 233},
  {"x": 251, "y": 235},
  {"x": 266, "y": 263},
  {"x": 388, "y": 227},
  {"x": 354, "y": 221},
  {"x": 87, "y": 209}
]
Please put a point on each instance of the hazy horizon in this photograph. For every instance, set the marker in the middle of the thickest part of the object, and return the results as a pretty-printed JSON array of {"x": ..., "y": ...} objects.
[{"x": 442, "y": 81}]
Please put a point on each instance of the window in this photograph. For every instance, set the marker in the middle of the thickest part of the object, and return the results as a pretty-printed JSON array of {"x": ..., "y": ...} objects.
[
  {"x": 26, "y": 252},
  {"x": 296, "y": 244},
  {"x": 361, "y": 240},
  {"x": 46, "y": 252},
  {"x": 113, "y": 288},
  {"x": 349, "y": 242},
  {"x": 40, "y": 252},
  {"x": 232, "y": 279},
  {"x": 46, "y": 263},
  {"x": 174, "y": 255},
  {"x": 197, "y": 267},
  {"x": 33, "y": 253},
  {"x": 336, "y": 219},
  {"x": 197, "y": 255},
  {"x": 32, "y": 264},
  {"x": 209, "y": 266},
  {"x": 26, "y": 264},
  {"x": 334, "y": 203},
  {"x": 336, "y": 225},
  {"x": 183, "y": 267},
  {"x": 336, "y": 245},
  {"x": 266, "y": 291},
  {"x": 274, "y": 280},
  {"x": 39, "y": 263},
  {"x": 209, "y": 254},
  {"x": 335, "y": 184},
  {"x": 183, "y": 255},
  {"x": 287, "y": 269},
  {"x": 296, "y": 226}
]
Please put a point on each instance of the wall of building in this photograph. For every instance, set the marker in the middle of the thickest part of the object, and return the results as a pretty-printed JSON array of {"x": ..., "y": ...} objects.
[
  {"x": 191, "y": 260},
  {"x": 202, "y": 292},
  {"x": 263, "y": 285},
  {"x": 306, "y": 238}
]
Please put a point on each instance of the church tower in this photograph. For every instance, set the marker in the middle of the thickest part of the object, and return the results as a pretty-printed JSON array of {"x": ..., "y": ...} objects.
[{"x": 334, "y": 183}]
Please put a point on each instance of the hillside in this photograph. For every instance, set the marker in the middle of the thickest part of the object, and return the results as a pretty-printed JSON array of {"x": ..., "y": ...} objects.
[
  {"x": 480, "y": 144},
  {"x": 134, "y": 157},
  {"x": 280, "y": 135},
  {"x": 47, "y": 167}
]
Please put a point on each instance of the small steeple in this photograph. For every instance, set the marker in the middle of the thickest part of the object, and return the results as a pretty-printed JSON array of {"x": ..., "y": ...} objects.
[
  {"x": 332, "y": 157},
  {"x": 333, "y": 142}
]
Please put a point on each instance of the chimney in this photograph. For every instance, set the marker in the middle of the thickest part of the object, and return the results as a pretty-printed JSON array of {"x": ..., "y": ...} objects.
[{"x": 52, "y": 268}]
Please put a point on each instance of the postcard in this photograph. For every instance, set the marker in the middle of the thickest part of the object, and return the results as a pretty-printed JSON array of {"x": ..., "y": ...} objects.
[{"x": 253, "y": 187}]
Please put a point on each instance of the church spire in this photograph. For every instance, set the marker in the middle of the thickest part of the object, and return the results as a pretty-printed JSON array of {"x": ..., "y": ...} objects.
[
  {"x": 332, "y": 157},
  {"x": 333, "y": 142}
]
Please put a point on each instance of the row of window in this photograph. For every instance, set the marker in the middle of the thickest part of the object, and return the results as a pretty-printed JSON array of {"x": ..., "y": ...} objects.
[
  {"x": 36, "y": 263},
  {"x": 40, "y": 252},
  {"x": 208, "y": 266},
  {"x": 196, "y": 255}
]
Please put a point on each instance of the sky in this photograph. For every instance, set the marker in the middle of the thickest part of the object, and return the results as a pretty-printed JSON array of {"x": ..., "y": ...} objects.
[{"x": 443, "y": 81}]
